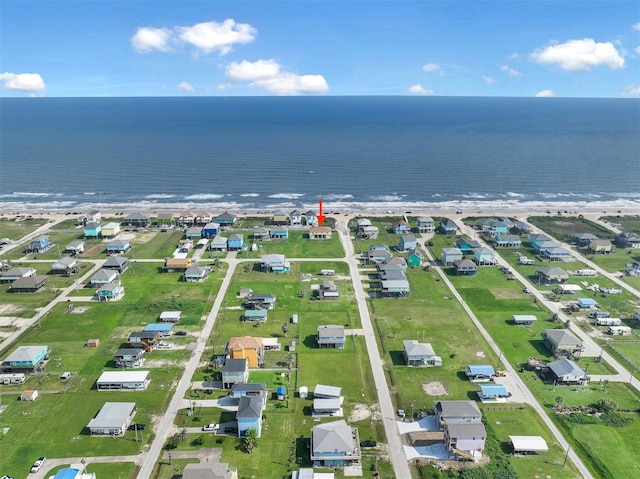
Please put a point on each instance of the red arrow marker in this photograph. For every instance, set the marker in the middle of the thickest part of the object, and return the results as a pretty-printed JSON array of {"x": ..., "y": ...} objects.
[{"x": 320, "y": 216}]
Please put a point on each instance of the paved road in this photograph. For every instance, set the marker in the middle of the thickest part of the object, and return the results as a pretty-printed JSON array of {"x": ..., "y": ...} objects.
[
  {"x": 396, "y": 451},
  {"x": 512, "y": 372},
  {"x": 166, "y": 425}
]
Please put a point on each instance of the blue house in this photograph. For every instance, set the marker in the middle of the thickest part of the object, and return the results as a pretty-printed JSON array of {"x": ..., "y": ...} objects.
[
  {"x": 536, "y": 238},
  {"x": 467, "y": 245},
  {"x": 401, "y": 227},
  {"x": 493, "y": 392},
  {"x": 480, "y": 372},
  {"x": 225, "y": 219},
  {"x": 166, "y": 329},
  {"x": 249, "y": 415},
  {"x": 335, "y": 444},
  {"x": 484, "y": 256},
  {"x": 118, "y": 246},
  {"x": 448, "y": 226},
  {"x": 25, "y": 359},
  {"x": 275, "y": 263},
  {"x": 279, "y": 232},
  {"x": 449, "y": 255},
  {"x": 111, "y": 291},
  {"x": 41, "y": 244},
  {"x": 211, "y": 230},
  {"x": 235, "y": 242},
  {"x": 93, "y": 230},
  {"x": 407, "y": 241}
]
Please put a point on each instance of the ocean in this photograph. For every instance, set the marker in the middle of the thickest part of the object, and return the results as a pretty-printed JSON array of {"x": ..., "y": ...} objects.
[{"x": 366, "y": 153}]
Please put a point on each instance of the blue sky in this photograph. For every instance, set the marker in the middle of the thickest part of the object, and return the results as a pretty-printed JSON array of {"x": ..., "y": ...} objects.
[{"x": 559, "y": 48}]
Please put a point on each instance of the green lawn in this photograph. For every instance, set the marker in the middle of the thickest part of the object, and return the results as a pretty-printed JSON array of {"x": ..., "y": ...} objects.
[
  {"x": 564, "y": 227},
  {"x": 14, "y": 230},
  {"x": 625, "y": 223},
  {"x": 297, "y": 246},
  {"x": 526, "y": 422}
]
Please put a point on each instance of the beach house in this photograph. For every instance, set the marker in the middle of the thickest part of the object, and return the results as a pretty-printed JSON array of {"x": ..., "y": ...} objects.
[
  {"x": 426, "y": 225},
  {"x": 562, "y": 342},
  {"x": 319, "y": 232},
  {"x": 26, "y": 360},
  {"x": 335, "y": 444},
  {"x": 420, "y": 354},
  {"x": 113, "y": 419},
  {"x": 41, "y": 244},
  {"x": 92, "y": 230},
  {"x": 331, "y": 336}
]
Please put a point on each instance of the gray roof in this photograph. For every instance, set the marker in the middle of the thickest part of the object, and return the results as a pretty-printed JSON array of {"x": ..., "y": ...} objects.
[
  {"x": 19, "y": 271},
  {"x": 236, "y": 237},
  {"x": 457, "y": 408},
  {"x": 118, "y": 242},
  {"x": 553, "y": 271},
  {"x": 585, "y": 236},
  {"x": 564, "y": 366},
  {"x": 464, "y": 263},
  {"x": 112, "y": 415},
  {"x": 332, "y": 436},
  {"x": 64, "y": 263},
  {"x": 103, "y": 275},
  {"x": 219, "y": 240},
  {"x": 414, "y": 348},
  {"x": 208, "y": 471},
  {"x": 408, "y": 238},
  {"x": 249, "y": 407},
  {"x": 115, "y": 261},
  {"x": 323, "y": 390},
  {"x": 466, "y": 430},
  {"x": 330, "y": 330},
  {"x": 129, "y": 352},
  {"x": 234, "y": 365},
  {"x": 25, "y": 353},
  {"x": 195, "y": 271},
  {"x": 561, "y": 336},
  {"x": 137, "y": 215},
  {"x": 249, "y": 387},
  {"x": 449, "y": 251}
]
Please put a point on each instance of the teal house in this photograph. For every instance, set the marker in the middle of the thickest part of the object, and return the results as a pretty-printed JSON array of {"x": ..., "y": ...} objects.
[
  {"x": 249, "y": 414},
  {"x": 93, "y": 230},
  {"x": 25, "y": 359}
]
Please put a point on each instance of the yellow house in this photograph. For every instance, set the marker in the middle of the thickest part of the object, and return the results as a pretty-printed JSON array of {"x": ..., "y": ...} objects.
[
  {"x": 601, "y": 246},
  {"x": 177, "y": 264},
  {"x": 246, "y": 347},
  {"x": 110, "y": 230}
]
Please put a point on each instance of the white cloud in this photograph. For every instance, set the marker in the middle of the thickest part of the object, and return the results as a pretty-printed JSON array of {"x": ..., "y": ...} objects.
[
  {"x": 512, "y": 72},
  {"x": 27, "y": 82},
  {"x": 631, "y": 90},
  {"x": 637, "y": 49},
  {"x": 252, "y": 71},
  {"x": 433, "y": 68},
  {"x": 147, "y": 39},
  {"x": 636, "y": 26},
  {"x": 186, "y": 86},
  {"x": 214, "y": 36},
  {"x": 420, "y": 90},
  {"x": 545, "y": 94},
  {"x": 291, "y": 84},
  {"x": 268, "y": 75},
  {"x": 489, "y": 80},
  {"x": 576, "y": 55},
  {"x": 514, "y": 56}
]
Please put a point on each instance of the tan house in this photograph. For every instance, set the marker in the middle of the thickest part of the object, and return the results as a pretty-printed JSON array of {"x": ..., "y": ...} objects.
[
  {"x": 319, "y": 232},
  {"x": 110, "y": 230},
  {"x": 601, "y": 246},
  {"x": 246, "y": 347}
]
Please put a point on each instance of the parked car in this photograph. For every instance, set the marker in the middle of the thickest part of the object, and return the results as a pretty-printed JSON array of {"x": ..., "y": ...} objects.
[
  {"x": 231, "y": 430},
  {"x": 38, "y": 464},
  {"x": 526, "y": 291},
  {"x": 139, "y": 427},
  {"x": 211, "y": 427},
  {"x": 368, "y": 443},
  {"x": 180, "y": 333}
]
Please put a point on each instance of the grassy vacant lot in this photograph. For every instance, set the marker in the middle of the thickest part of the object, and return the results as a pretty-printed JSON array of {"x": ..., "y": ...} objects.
[
  {"x": 428, "y": 315},
  {"x": 297, "y": 246},
  {"x": 488, "y": 295},
  {"x": 564, "y": 227},
  {"x": 624, "y": 223},
  {"x": 14, "y": 230},
  {"x": 147, "y": 294},
  {"x": 526, "y": 422}
]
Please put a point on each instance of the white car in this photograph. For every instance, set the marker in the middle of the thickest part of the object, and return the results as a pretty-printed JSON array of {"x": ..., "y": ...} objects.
[
  {"x": 211, "y": 427},
  {"x": 38, "y": 464}
]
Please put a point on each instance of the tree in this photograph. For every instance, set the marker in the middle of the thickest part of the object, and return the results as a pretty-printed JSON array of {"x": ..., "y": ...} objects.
[
  {"x": 606, "y": 406},
  {"x": 559, "y": 401},
  {"x": 182, "y": 435},
  {"x": 249, "y": 440}
]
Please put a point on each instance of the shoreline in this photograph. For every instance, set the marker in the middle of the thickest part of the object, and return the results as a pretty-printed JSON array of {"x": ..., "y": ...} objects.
[{"x": 394, "y": 208}]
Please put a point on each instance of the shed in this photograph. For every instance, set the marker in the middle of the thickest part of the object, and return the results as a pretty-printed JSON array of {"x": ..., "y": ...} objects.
[
  {"x": 282, "y": 393},
  {"x": 170, "y": 316},
  {"x": 479, "y": 372},
  {"x": 29, "y": 395},
  {"x": 525, "y": 444},
  {"x": 93, "y": 343},
  {"x": 65, "y": 375},
  {"x": 524, "y": 319},
  {"x": 587, "y": 302},
  {"x": 303, "y": 392},
  {"x": 493, "y": 393},
  {"x": 292, "y": 346}
]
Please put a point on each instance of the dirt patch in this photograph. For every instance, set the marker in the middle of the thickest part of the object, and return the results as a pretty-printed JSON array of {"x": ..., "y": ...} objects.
[
  {"x": 436, "y": 388},
  {"x": 79, "y": 309},
  {"x": 360, "y": 412},
  {"x": 9, "y": 309},
  {"x": 480, "y": 354},
  {"x": 506, "y": 293},
  {"x": 144, "y": 237}
]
